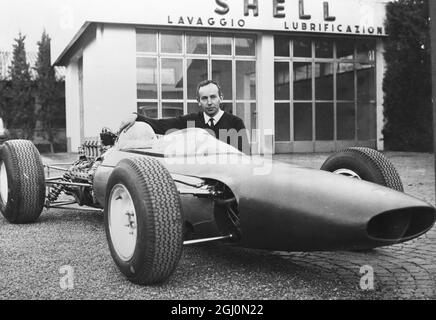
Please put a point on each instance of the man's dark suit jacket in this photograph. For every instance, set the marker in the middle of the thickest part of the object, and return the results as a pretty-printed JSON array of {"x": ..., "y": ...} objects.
[{"x": 227, "y": 122}]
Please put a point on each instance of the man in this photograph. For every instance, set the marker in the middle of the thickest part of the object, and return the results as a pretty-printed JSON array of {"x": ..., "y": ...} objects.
[{"x": 209, "y": 97}]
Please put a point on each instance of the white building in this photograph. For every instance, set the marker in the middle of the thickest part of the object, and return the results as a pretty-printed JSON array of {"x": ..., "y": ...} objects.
[{"x": 307, "y": 74}]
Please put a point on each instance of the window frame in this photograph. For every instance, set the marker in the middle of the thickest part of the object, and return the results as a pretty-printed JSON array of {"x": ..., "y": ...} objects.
[
  {"x": 335, "y": 61},
  {"x": 209, "y": 57}
]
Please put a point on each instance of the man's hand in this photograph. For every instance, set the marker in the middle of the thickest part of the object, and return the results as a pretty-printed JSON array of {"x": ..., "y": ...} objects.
[{"x": 127, "y": 123}]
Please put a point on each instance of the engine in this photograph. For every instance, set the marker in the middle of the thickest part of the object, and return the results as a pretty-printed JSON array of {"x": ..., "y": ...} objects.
[{"x": 83, "y": 170}]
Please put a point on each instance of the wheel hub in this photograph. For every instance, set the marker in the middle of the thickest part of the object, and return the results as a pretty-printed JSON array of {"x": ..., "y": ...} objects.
[
  {"x": 4, "y": 188},
  {"x": 122, "y": 222},
  {"x": 348, "y": 173}
]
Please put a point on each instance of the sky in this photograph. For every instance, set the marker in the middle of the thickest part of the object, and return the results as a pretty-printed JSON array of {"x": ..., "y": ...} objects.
[
  {"x": 31, "y": 17},
  {"x": 60, "y": 18},
  {"x": 28, "y": 16}
]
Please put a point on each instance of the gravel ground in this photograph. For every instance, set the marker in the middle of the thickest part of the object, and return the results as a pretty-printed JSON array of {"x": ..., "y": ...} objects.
[{"x": 32, "y": 256}]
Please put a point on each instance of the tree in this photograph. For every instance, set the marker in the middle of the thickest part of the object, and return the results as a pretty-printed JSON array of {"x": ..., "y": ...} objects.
[
  {"x": 48, "y": 90},
  {"x": 20, "y": 109},
  {"x": 3, "y": 102},
  {"x": 3, "y": 97},
  {"x": 407, "y": 81}
]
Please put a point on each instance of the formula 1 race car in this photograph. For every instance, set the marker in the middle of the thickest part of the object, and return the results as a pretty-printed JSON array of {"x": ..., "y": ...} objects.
[{"x": 159, "y": 193}]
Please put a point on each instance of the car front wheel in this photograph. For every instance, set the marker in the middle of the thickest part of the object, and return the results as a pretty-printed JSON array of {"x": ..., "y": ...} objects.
[{"x": 143, "y": 220}]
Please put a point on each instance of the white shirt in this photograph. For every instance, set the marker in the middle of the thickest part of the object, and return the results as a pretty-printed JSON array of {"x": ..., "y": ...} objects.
[{"x": 216, "y": 117}]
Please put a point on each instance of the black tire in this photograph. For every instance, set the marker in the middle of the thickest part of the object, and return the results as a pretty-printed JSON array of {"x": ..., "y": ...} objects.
[
  {"x": 368, "y": 164},
  {"x": 159, "y": 222},
  {"x": 24, "y": 170}
]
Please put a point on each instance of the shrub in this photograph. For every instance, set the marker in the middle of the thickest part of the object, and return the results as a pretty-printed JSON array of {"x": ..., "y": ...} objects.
[{"x": 407, "y": 81}]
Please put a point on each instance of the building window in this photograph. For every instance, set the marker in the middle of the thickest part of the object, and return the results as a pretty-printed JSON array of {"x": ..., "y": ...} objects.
[
  {"x": 324, "y": 90},
  {"x": 171, "y": 64}
]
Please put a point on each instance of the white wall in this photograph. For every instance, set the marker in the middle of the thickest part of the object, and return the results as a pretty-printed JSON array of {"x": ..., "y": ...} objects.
[
  {"x": 109, "y": 84},
  {"x": 109, "y": 67},
  {"x": 265, "y": 91},
  {"x": 72, "y": 106}
]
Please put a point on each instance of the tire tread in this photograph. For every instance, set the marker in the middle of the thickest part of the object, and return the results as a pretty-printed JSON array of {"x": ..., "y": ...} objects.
[
  {"x": 27, "y": 200},
  {"x": 164, "y": 227},
  {"x": 377, "y": 160}
]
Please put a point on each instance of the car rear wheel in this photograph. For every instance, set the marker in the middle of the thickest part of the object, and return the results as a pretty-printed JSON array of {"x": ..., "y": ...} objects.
[
  {"x": 22, "y": 182},
  {"x": 364, "y": 164},
  {"x": 143, "y": 220}
]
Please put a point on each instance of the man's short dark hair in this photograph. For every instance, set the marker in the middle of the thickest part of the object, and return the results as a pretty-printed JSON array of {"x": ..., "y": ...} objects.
[{"x": 206, "y": 83}]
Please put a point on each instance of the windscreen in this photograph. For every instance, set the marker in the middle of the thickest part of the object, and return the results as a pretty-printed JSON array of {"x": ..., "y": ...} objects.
[{"x": 185, "y": 142}]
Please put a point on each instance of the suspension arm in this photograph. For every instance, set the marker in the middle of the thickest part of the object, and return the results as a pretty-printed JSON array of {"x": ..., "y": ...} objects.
[{"x": 69, "y": 183}]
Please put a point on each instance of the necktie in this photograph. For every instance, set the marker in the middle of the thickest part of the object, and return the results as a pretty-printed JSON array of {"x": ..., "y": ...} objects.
[{"x": 211, "y": 123}]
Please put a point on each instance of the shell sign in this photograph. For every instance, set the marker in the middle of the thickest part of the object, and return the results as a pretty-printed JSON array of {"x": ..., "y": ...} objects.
[{"x": 356, "y": 17}]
